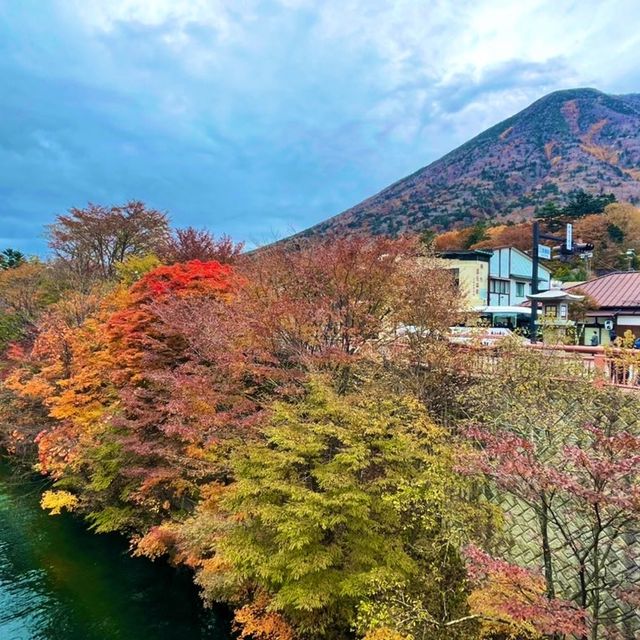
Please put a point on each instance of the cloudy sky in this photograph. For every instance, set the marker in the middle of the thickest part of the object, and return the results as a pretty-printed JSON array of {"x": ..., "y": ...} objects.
[{"x": 257, "y": 118}]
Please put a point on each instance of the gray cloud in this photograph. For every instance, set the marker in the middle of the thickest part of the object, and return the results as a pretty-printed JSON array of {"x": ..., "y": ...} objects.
[
  {"x": 463, "y": 89},
  {"x": 257, "y": 118}
]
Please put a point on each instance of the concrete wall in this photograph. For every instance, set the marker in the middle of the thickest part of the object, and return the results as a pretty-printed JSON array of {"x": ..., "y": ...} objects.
[{"x": 473, "y": 277}]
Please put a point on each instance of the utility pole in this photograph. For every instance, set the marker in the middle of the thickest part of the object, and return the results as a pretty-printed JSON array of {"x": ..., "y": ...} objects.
[
  {"x": 533, "y": 322},
  {"x": 567, "y": 248}
]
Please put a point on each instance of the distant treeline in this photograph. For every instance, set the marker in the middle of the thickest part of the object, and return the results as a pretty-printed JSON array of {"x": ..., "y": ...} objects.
[{"x": 612, "y": 227}]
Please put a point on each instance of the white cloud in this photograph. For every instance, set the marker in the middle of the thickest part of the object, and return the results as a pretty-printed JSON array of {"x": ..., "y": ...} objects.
[
  {"x": 296, "y": 108},
  {"x": 105, "y": 14},
  {"x": 406, "y": 43}
]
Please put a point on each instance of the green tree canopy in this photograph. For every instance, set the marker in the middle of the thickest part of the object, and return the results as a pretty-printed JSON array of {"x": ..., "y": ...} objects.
[
  {"x": 11, "y": 258},
  {"x": 348, "y": 498}
]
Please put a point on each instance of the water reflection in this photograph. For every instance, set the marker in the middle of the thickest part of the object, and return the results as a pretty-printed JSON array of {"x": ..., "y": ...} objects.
[{"x": 60, "y": 582}]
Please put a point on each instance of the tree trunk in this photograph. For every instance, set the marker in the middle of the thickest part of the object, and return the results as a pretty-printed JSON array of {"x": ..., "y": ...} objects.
[{"x": 546, "y": 548}]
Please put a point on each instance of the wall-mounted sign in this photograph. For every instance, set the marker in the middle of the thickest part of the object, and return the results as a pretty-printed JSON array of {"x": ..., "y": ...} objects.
[
  {"x": 608, "y": 325},
  {"x": 544, "y": 252},
  {"x": 569, "y": 242}
]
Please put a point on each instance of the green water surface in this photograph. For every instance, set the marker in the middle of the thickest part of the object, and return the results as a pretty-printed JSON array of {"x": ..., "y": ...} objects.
[{"x": 59, "y": 581}]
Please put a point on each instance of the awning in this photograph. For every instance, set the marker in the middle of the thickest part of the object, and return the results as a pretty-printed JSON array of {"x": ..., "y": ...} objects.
[
  {"x": 555, "y": 295},
  {"x": 507, "y": 310}
]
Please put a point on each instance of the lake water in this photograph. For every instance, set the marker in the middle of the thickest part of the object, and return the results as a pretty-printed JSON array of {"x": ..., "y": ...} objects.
[{"x": 59, "y": 581}]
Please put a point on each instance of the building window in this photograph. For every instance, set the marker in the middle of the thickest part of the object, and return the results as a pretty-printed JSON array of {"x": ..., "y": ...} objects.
[
  {"x": 520, "y": 289},
  {"x": 456, "y": 277},
  {"x": 499, "y": 286}
]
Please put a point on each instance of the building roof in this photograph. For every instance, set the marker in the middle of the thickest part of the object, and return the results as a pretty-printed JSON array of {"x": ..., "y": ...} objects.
[
  {"x": 466, "y": 254},
  {"x": 619, "y": 289},
  {"x": 559, "y": 295},
  {"x": 510, "y": 310}
]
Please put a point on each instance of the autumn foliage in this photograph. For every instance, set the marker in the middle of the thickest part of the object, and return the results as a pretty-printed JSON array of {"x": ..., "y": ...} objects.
[
  {"x": 510, "y": 600},
  {"x": 614, "y": 232},
  {"x": 295, "y": 427}
]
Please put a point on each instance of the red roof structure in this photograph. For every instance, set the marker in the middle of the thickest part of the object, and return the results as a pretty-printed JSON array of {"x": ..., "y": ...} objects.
[{"x": 618, "y": 290}]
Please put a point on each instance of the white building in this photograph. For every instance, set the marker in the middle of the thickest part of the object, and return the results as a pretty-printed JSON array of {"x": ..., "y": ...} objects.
[{"x": 510, "y": 277}]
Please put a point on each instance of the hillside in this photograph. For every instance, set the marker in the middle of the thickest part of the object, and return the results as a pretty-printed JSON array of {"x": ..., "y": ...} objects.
[
  {"x": 614, "y": 232},
  {"x": 567, "y": 140}
]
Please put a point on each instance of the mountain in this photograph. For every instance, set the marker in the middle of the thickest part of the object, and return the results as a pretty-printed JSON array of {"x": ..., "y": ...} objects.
[{"x": 578, "y": 139}]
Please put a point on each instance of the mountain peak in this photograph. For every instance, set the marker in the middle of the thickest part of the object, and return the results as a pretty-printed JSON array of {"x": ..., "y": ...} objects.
[
  {"x": 567, "y": 140},
  {"x": 572, "y": 94}
]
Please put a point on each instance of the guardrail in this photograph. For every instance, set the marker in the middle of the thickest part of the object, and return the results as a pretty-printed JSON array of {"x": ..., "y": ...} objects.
[{"x": 607, "y": 366}]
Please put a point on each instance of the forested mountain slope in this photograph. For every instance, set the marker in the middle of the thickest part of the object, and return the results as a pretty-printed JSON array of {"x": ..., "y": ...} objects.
[{"x": 580, "y": 139}]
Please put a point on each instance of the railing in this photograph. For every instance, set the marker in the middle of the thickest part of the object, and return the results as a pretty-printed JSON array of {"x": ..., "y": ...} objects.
[{"x": 606, "y": 366}]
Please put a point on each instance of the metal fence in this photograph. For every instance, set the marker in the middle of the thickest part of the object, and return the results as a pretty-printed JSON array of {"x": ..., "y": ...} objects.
[{"x": 615, "y": 372}]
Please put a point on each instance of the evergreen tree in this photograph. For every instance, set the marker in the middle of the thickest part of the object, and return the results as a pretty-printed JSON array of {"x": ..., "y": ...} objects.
[{"x": 11, "y": 258}]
